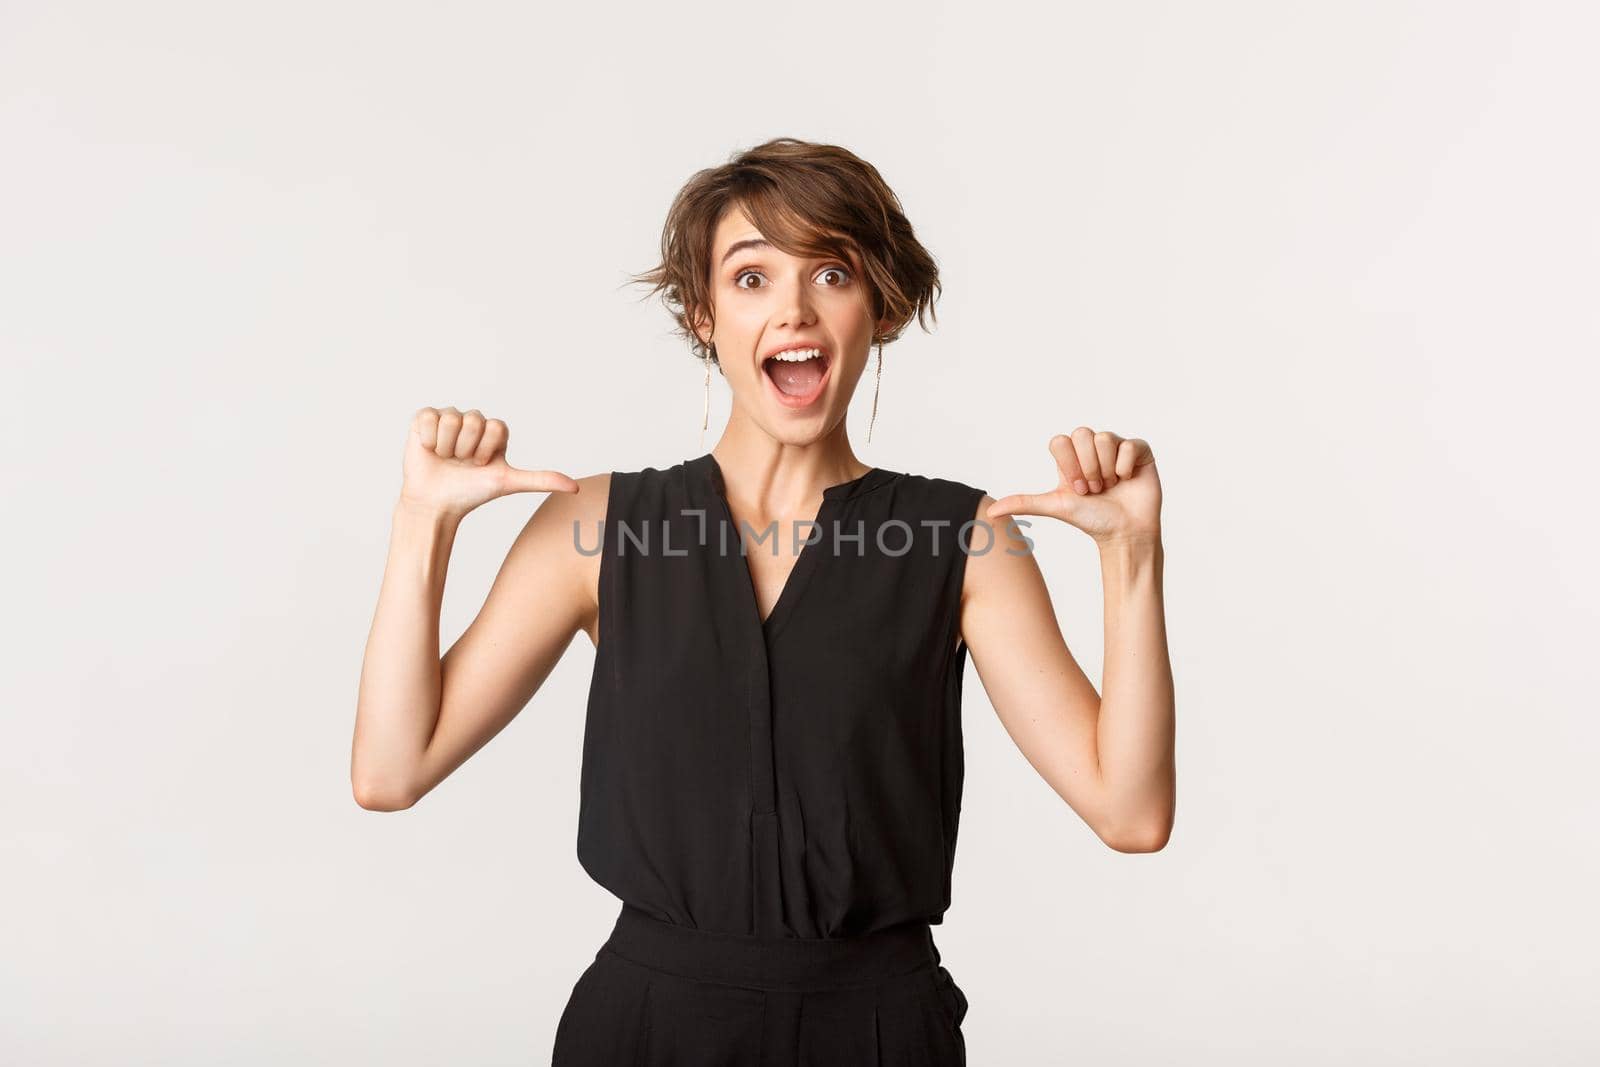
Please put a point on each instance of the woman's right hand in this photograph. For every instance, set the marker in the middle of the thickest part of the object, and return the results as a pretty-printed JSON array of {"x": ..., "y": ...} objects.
[{"x": 455, "y": 461}]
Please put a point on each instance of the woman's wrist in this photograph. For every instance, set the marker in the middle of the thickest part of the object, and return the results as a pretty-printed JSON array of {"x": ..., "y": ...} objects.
[
  {"x": 420, "y": 512},
  {"x": 1132, "y": 566},
  {"x": 1131, "y": 540},
  {"x": 420, "y": 539}
]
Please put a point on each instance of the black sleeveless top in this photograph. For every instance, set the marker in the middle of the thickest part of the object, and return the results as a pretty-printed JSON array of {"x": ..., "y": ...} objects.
[{"x": 798, "y": 777}]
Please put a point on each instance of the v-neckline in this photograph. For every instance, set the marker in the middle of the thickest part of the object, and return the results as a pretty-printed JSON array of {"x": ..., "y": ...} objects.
[{"x": 805, "y": 559}]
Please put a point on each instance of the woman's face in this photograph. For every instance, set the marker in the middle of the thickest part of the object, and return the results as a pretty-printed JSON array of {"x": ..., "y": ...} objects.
[{"x": 767, "y": 301}]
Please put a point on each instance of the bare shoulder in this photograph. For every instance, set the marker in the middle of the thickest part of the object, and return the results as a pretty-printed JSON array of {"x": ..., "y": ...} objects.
[
  {"x": 555, "y": 515},
  {"x": 1001, "y": 569},
  {"x": 587, "y": 505},
  {"x": 557, "y": 550}
]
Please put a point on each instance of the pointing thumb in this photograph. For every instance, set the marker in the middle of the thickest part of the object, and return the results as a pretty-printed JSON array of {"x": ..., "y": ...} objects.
[{"x": 518, "y": 480}]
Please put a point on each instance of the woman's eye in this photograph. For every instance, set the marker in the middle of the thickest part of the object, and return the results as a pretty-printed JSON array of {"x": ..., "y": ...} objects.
[{"x": 841, "y": 274}]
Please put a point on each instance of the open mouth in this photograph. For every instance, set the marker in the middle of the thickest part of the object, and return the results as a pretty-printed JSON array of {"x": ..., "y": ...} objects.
[{"x": 797, "y": 375}]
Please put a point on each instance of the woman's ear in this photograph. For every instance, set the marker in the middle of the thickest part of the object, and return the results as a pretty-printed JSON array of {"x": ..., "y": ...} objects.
[{"x": 702, "y": 330}]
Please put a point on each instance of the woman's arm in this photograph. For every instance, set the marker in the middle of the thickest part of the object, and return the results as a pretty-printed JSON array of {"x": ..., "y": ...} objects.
[
  {"x": 419, "y": 717},
  {"x": 1110, "y": 756}
]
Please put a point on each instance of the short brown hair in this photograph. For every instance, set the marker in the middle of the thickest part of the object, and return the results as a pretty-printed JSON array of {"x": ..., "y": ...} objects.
[{"x": 807, "y": 199}]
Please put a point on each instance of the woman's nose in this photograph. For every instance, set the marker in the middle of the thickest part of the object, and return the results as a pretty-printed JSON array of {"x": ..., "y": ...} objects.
[{"x": 797, "y": 308}]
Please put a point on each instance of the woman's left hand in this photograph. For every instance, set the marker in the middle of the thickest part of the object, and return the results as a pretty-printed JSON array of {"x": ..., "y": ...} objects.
[{"x": 1108, "y": 488}]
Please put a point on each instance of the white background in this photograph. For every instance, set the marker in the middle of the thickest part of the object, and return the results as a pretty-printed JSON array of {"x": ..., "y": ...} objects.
[{"x": 1337, "y": 263}]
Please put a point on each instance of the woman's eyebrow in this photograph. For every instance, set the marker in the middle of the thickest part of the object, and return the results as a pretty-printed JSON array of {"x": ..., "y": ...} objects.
[
  {"x": 749, "y": 242},
  {"x": 754, "y": 242}
]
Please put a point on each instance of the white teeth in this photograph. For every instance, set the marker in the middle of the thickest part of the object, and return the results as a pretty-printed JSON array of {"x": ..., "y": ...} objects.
[{"x": 799, "y": 355}]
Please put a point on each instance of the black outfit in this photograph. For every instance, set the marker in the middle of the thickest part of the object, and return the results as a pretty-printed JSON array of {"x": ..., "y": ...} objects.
[{"x": 774, "y": 802}]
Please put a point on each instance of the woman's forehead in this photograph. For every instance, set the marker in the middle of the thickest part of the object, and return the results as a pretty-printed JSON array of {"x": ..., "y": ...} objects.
[
  {"x": 737, "y": 233},
  {"x": 734, "y": 225}
]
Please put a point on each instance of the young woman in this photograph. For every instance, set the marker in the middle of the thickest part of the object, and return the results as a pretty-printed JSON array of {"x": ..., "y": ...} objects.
[{"x": 772, "y": 759}]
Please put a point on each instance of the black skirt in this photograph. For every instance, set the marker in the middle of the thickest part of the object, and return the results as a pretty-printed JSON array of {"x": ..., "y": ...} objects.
[{"x": 664, "y": 995}]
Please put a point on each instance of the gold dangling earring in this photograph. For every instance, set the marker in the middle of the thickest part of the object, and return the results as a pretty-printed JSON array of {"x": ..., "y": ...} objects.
[
  {"x": 876, "y": 382},
  {"x": 705, "y": 417}
]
